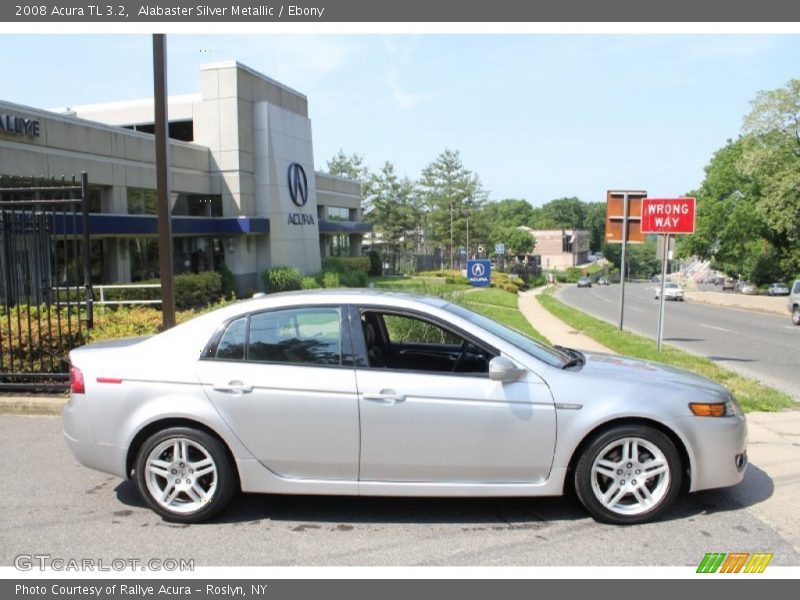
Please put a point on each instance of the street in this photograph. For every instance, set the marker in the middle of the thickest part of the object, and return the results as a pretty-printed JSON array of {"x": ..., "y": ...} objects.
[
  {"x": 53, "y": 505},
  {"x": 762, "y": 346}
]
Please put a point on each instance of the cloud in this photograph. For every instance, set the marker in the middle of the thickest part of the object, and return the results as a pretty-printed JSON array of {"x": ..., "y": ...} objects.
[{"x": 400, "y": 51}]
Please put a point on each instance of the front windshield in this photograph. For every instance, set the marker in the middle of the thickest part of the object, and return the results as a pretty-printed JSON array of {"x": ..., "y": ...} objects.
[{"x": 543, "y": 352}]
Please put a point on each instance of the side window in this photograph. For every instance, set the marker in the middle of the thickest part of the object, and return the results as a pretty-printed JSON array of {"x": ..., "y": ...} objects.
[
  {"x": 297, "y": 336},
  {"x": 796, "y": 289},
  {"x": 231, "y": 344},
  {"x": 416, "y": 331}
]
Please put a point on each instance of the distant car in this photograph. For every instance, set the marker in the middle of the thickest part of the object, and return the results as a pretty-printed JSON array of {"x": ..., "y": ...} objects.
[
  {"x": 672, "y": 291},
  {"x": 778, "y": 289},
  {"x": 729, "y": 283},
  {"x": 584, "y": 282},
  {"x": 603, "y": 281},
  {"x": 368, "y": 393},
  {"x": 749, "y": 289},
  {"x": 794, "y": 302},
  {"x": 655, "y": 279}
]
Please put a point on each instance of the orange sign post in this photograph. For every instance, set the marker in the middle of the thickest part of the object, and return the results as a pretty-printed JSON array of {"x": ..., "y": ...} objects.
[{"x": 623, "y": 226}]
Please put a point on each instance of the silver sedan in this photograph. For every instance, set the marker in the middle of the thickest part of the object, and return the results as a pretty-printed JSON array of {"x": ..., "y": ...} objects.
[{"x": 384, "y": 394}]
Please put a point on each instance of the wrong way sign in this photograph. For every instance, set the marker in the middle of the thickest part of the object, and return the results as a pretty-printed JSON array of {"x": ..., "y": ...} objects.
[{"x": 668, "y": 215}]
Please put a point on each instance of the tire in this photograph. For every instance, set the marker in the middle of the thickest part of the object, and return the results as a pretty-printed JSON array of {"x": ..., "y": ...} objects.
[
  {"x": 796, "y": 315},
  {"x": 185, "y": 474},
  {"x": 636, "y": 500}
]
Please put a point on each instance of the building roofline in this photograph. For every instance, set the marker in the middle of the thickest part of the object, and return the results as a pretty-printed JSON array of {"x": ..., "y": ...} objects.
[{"x": 227, "y": 64}]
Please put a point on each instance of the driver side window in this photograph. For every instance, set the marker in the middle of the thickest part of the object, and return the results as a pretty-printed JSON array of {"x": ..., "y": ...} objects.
[{"x": 409, "y": 343}]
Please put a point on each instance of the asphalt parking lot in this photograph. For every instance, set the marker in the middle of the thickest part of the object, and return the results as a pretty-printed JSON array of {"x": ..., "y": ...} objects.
[{"x": 53, "y": 505}]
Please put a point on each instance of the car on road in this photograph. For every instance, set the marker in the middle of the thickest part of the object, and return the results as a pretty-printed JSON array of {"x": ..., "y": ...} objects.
[
  {"x": 778, "y": 289},
  {"x": 794, "y": 302},
  {"x": 672, "y": 291},
  {"x": 728, "y": 284},
  {"x": 584, "y": 282},
  {"x": 603, "y": 281},
  {"x": 376, "y": 393}
]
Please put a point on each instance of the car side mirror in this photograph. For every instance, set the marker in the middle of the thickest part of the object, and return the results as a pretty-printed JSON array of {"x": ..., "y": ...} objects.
[{"x": 502, "y": 369}]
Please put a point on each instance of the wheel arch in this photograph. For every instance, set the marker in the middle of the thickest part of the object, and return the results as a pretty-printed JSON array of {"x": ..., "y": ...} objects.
[
  {"x": 155, "y": 426},
  {"x": 680, "y": 446}
]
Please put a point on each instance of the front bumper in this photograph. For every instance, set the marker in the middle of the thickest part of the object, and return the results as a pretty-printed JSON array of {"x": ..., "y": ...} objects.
[
  {"x": 81, "y": 440},
  {"x": 719, "y": 450}
]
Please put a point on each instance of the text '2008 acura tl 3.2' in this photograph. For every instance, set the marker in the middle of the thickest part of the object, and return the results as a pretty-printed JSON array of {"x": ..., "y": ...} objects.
[{"x": 385, "y": 394}]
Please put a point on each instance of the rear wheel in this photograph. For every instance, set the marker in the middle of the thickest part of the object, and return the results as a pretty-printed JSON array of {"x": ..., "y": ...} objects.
[
  {"x": 185, "y": 474},
  {"x": 796, "y": 315},
  {"x": 628, "y": 474}
]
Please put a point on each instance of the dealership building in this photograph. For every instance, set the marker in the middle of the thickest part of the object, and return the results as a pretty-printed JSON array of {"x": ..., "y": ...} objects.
[{"x": 244, "y": 191}]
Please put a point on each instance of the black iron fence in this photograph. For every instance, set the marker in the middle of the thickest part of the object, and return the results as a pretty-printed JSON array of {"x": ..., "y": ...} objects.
[{"x": 46, "y": 299}]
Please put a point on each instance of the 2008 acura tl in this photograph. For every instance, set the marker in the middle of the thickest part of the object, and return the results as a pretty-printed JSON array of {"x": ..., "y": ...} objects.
[{"x": 378, "y": 394}]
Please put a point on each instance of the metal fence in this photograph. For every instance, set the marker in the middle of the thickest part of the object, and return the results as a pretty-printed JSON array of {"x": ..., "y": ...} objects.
[{"x": 46, "y": 297}]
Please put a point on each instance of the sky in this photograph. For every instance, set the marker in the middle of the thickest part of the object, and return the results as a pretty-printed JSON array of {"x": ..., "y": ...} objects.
[{"x": 535, "y": 116}]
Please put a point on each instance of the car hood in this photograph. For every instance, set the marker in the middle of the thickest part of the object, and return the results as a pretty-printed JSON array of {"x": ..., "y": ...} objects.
[{"x": 616, "y": 368}]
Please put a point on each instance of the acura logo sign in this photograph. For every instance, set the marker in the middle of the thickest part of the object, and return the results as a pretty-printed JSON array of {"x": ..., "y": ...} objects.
[
  {"x": 298, "y": 184},
  {"x": 478, "y": 270}
]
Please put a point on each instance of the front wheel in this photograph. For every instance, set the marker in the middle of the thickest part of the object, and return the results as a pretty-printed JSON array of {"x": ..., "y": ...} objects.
[
  {"x": 628, "y": 474},
  {"x": 185, "y": 474},
  {"x": 796, "y": 315}
]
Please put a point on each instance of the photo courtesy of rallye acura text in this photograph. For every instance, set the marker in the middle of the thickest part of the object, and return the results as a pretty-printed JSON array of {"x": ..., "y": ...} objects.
[{"x": 385, "y": 394}]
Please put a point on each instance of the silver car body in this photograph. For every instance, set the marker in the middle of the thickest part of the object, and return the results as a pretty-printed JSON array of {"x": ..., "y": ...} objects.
[
  {"x": 672, "y": 291},
  {"x": 354, "y": 430}
]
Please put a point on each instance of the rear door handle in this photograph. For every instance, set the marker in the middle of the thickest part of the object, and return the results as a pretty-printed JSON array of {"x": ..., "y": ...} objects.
[
  {"x": 233, "y": 387},
  {"x": 385, "y": 396}
]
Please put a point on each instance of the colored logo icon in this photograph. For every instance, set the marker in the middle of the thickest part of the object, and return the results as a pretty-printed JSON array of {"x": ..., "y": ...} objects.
[{"x": 734, "y": 562}]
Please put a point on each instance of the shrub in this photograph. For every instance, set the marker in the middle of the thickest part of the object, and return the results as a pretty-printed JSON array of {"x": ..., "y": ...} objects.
[
  {"x": 228, "y": 282},
  {"x": 309, "y": 283},
  {"x": 282, "y": 279},
  {"x": 375, "y": 264},
  {"x": 330, "y": 279},
  {"x": 343, "y": 264},
  {"x": 193, "y": 290},
  {"x": 353, "y": 279}
]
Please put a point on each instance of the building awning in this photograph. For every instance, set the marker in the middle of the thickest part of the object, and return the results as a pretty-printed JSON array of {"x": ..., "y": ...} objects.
[
  {"x": 100, "y": 224},
  {"x": 344, "y": 227}
]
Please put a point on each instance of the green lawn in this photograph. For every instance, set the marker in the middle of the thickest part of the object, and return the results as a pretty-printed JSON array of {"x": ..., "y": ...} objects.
[{"x": 751, "y": 394}]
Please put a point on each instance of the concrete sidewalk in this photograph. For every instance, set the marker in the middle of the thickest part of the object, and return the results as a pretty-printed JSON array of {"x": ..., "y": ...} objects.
[{"x": 556, "y": 331}]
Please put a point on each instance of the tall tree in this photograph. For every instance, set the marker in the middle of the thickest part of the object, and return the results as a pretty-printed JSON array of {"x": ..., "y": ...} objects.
[
  {"x": 451, "y": 195},
  {"x": 595, "y": 222},
  {"x": 567, "y": 213},
  {"x": 351, "y": 166},
  {"x": 394, "y": 208}
]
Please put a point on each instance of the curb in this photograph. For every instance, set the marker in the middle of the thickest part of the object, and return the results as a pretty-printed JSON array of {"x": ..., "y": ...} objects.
[{"x": 32, "y": 405}]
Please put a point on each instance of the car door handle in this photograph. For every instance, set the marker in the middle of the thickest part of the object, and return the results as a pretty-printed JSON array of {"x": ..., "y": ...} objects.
[
  {"x": 385, "y": 396},
  {"x": 233, "y": 387}
]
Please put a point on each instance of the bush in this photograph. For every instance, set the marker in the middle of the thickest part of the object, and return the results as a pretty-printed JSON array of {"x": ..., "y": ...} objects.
[
  {"x": 194, "y": 290},
  {"x": 228, "y": 282},
  {"x": 343, "y": 264},
  {"x": 375, "y": 264},
  {"x": 309, "y": 283},
  {"x": 282, "y": 279},
  {"x": 330, "y": 279}
]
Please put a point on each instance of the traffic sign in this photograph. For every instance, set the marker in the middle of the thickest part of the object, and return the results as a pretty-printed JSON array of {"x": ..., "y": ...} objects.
[
  {"x": 623, "y": 216},
  {"x": 499, "y": 248},
  {"x": 479, "y": 272},
  {"x": 668, "y": 215}
]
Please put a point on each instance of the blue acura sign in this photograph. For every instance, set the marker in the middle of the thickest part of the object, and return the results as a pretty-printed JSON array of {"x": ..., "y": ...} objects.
[{"x": 479, "y": 272}]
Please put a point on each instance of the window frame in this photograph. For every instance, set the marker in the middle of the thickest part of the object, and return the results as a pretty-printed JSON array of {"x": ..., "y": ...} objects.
[
  {"x": 346, "y": 359},
  {"x": 359, "y": 344}
]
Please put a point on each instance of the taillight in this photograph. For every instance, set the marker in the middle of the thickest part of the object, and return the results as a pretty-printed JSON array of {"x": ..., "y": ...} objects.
[{"x": 76, "y": 385}]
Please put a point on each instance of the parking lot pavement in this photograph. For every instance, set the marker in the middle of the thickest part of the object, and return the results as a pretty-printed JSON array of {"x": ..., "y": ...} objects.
[{"x": 53, "y": 505}]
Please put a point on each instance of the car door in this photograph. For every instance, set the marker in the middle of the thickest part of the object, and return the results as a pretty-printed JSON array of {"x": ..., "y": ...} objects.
[
  {"x": 284, "y": 382},
  {"x": 420, "y": 425}
]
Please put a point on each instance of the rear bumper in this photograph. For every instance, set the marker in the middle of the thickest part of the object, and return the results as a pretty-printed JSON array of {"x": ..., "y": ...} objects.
[
  {"x": 81, "y": 441},
  {"x": 720, "y": 450}
]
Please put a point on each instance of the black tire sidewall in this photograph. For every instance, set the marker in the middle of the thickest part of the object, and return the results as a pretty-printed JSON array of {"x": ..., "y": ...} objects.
[
  {"x": 583, "y": 478},
  {"x": 226, "y": 478}
]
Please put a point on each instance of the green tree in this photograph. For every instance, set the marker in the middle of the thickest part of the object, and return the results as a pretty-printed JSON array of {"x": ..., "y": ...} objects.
[
  {"x": 567, "y": 213},
  {"x": 394, "y": 208},
  {"x": 517, "y": 241},
  {"x": 771, "y": 157},
  {"x": 451, "y": 195},
  {"x": 595, "y": 222},
  {"x": 351, "y": 166}
]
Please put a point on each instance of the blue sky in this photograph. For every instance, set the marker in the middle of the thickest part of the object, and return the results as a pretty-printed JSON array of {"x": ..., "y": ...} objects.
[{"x": 536, "y": 116}]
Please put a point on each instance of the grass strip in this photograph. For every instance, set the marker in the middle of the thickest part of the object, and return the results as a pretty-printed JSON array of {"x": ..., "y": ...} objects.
[{"x": 751, "y": 394}]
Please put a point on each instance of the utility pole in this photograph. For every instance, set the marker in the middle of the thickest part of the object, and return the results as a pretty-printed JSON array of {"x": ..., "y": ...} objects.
[{"x": 163, "y": 180}]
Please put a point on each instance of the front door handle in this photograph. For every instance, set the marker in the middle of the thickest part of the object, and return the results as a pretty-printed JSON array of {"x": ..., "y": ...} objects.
[
  {"x": 233, "y": 387},
  {"x": 386, "y": 396}
]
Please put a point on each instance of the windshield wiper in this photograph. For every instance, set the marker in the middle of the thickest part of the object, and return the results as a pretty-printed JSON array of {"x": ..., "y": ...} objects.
[{"x": 575, "y": 358}]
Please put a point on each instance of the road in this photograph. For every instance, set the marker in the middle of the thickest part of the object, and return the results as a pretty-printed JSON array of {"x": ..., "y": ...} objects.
[
  {"x": 52, "y": 505},
  {"x": 758, "y": 345}
]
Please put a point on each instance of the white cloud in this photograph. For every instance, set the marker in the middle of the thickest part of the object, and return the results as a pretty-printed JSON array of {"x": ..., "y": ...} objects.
[{"x": 400, "y": 51}]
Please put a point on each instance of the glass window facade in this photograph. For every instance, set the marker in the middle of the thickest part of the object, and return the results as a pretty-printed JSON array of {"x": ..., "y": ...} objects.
[
  {"x": 198, "y": 205},
  {"x": 340, "y": 245},
  {"x": 142, "y": 202},
  {"x": 337, "y": 213}
]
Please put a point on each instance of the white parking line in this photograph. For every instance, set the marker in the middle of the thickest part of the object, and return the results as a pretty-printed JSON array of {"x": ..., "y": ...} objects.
[
  {"x": 717, "y": 328},
  {"x": 792, "y": 327}
]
